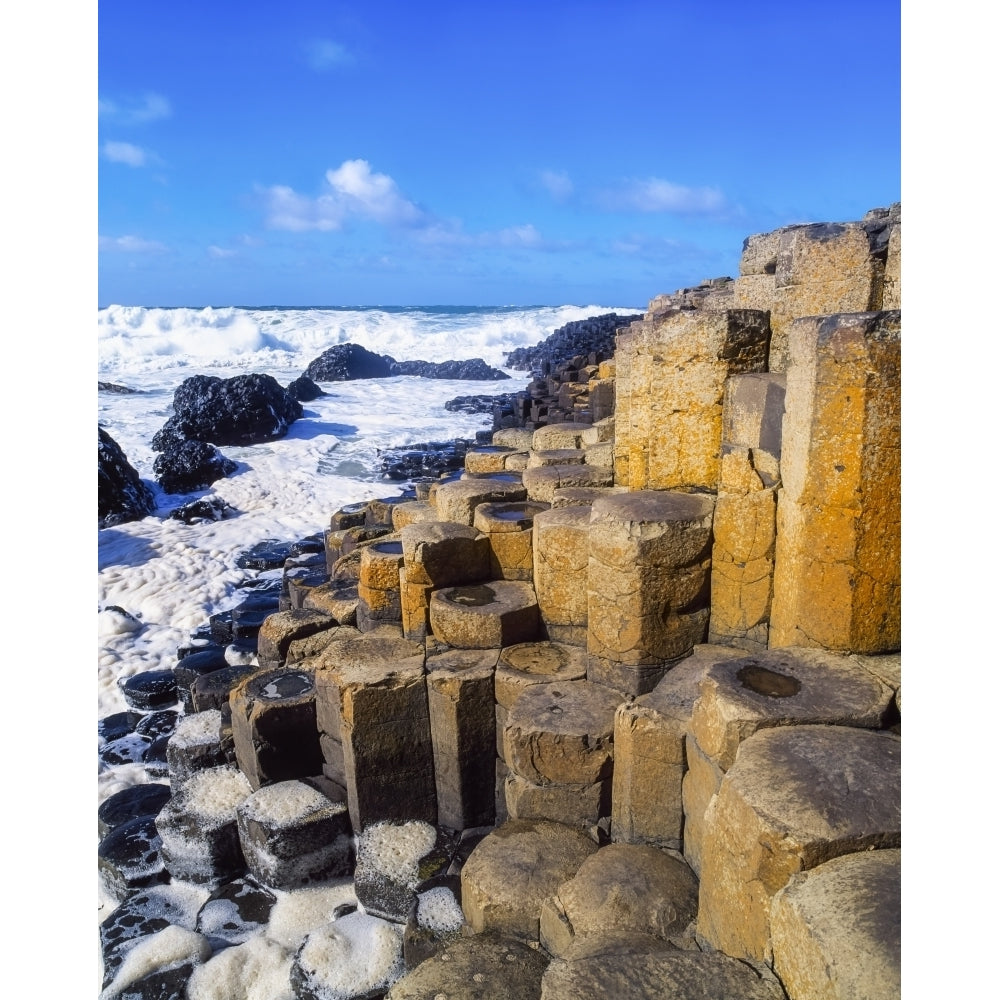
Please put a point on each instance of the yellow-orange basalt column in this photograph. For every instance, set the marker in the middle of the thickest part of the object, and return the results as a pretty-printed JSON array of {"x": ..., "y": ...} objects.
[{"x": 837, "y": 555}]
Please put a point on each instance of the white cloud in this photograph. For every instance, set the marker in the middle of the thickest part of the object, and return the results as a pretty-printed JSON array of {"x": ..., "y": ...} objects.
[
  {"x": 220, "y": 252},
  {"x": 657, "y": 195},
  {"x": 323, "y": 54},
  {"x": 519, "y": 236},
  {"x": 129, "y": 244},
  {"x": 148, "y": 108},
  {"x": 557, "y": 183},
  {"x": 351, "y": 190},
  {"x": 125, "y": 152}
]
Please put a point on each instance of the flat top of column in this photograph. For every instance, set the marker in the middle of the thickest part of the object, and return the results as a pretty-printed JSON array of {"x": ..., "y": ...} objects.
[{"x": 653, "y": 505}]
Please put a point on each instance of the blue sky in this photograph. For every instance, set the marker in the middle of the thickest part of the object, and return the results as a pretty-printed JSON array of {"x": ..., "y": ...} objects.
[{"x": 477, "y": 153}]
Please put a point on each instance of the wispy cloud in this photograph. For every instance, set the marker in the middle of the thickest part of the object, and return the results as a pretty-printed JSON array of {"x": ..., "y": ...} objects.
[
  {"x": 129, "y": 244},
  {"x": 135, "y": 111},
  {"x": 657, "y": 195},
  {"x": 557, "y": 183},
  {"x": 323, "y": 54},
  {"x": 220, "y": 252},
  {"x": 125, "y": 152},
  {"x": 352, "y": 190}
]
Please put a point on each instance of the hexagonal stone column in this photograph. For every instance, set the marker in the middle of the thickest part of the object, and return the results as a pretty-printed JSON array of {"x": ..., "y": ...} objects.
[
  {"x": 529, "y": 663},
  {"x": 274, "y": 726},
  {"x": 650, "y": 761},
  {"x": 197, "y": 827},
  {"x": 653, "y": 970},
  {"x": 292, "y": 835},
  {"x": 836, "y": 930},
  {"x": 194, "y": 745},
  {"x": 781, "y": 687},
  {"x": 623, "y": 888},
  {"x": 668, "y": 426},
  {"x": 372, "y": 695},
  {"x": 558, "y": 742},
  {"x": 441, "y": 554},
  {"x": 648, "y": 583},
  {"x": 280, "y": 630},
  {"x": 542, "y": 482},
  {"x": 457, "y": 501},
  {"x": 481, "y": 616},
  {"x": 837, "y": 557},
  {"x": 378, "y": 585},
  {"x": 795, "y": 797},
  {"x": 561, "y": 560},
  {"x": 514, "y": 869},
  {"x": 508, "y": 526},
  {"x": 463, "y": 735},
  {"x": 487, "y": 458}
]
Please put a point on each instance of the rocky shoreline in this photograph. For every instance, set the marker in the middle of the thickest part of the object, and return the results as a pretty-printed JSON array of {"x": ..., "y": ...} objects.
[{"x": 575, "y": 719}]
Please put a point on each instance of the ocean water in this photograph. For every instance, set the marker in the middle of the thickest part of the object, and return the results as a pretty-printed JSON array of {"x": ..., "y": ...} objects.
[{"x": 171, "y": 576}]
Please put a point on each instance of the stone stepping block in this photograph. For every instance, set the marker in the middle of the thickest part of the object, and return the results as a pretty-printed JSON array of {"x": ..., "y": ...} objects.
[
  {"x": 514, "y": 869},
  {"x": 300, "y": 581},
  {"x": 356, "y": 957},
  {"x": 541, "y": 483},
  {"x": 197, "y": 827},
  {"x": 372, "y": 699},
  {"x": 573, "y": 803},
  {"x": 564, "y": 435},
  {"x": 351, "y": 515},
  {"x": 212, "y": 690},
  {"x": 150, "y": 689},
  {"x": 836, "y": 929},
  {"x": 647, "y": 802},
  {"x": 129, "y": 857},
  {"x": 142, "y": 914},
  {"x": 115, "y": 726},
  {"x": 378, "y": 584},
  {"x": 268, "y": 554},
  {"x": 561, "y": 566},
  {"x": 394, "y": 860},
  {"x": 281, "y": 629},
  {"x": 337, "y": 598},
  {"x": 157, "y": 724},
  {"x": 463, "y": 735},
  {"x": 159, "y": 966},
  {"x": 378, "y": 512},
  {"x": 529, "y": 663},
  {"x": 648, "y": 590},
  {"x": 556, "y": 456},
  {"x": 293, "y": 835},
  {"x": 457, "y": 501},
  {"x": 442, "y": 554},
  {"x": 498, "y": 613},
  {"x": 487, "y": 458},
  {"x": 795, "y": 797},
  {"x": 508, "y": 528},
  {"x": 623, "y": 888},
  {"x": 125, "y": 750},
  {"x": 654, "y": 970},
  {"x": 195, "y": 746},
  {"x": 235, "y": 912},
  {"x": 249, "y": 614},
  {"x": 562, "y": 733},
  {"x": 783, "y": 687},
  {"x": 413, "y": 512},
  {"x": 274, "y": 726},
  {"x": 484, "y": 967},
  {"x": 194, "y": 665},
  {"x": 435, "y": 921},
  {"x": 131, "y": 803}
]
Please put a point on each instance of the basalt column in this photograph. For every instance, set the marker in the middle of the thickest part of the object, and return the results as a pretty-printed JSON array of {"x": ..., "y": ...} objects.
[
  {"x": 672, "y": 373},
  {"x": 837, "y": 557},
  {"x": 648, "y": 584},
  {"x": 745, "y": 511}
]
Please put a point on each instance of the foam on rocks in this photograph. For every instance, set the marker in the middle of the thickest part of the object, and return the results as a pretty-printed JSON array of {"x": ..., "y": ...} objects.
[
  {"x": 167, "y": 950},
  {"x": 256, "y": 970},
  {"x": 354, "y": 958}
]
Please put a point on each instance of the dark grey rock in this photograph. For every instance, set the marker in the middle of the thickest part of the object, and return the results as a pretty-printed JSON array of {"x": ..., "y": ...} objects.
[
  {"x": 186, "y": 466},
  {"x": 121, "y": 495}
]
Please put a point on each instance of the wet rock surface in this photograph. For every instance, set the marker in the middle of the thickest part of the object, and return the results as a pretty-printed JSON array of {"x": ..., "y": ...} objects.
[{"x": 121, "y": 495}]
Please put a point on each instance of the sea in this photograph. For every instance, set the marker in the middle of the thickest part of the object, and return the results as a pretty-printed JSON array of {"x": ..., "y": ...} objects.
[{"x": 168, "y": 577}]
